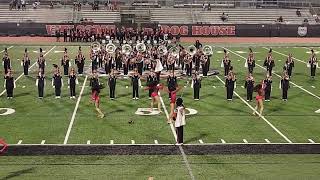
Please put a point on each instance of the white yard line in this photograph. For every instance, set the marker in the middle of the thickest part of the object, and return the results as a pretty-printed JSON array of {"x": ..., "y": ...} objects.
[
  {"x": 311, "y": 141},
  {"x": 184, "y": 156},
  {"x": 19, "y": 142},
  {"x": 156, "y": 142},
  {"x": 200, "y": 141},
  {"x": 300, "y": 87},
  {"x": 267, "y": 140},
  {"x": 28, "y": 69},
  {"x": 74, "y": 113},
  {"x": 262, "y": 117},
  {"x": 7, "y": 49},
  {"x": 223, "y": 141}
]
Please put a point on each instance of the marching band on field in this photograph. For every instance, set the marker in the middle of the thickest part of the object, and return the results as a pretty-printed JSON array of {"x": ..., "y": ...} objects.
[{"x": 153, "y": 58}]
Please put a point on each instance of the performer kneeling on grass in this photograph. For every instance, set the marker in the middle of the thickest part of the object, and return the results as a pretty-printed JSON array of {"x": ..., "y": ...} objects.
[
  {"x": 95, "y": 87},
  {"x": 155, "y": 94},
  {"x": 72, "y": 81},
  {"x": 9, "y": 84},
  {"x": 180, "y": 120},
  {"x": 40, "y": 83},
  {"x": 259, "y": 98}
]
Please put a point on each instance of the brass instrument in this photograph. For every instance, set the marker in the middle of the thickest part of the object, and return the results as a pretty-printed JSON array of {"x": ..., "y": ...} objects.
[
  {"x": 174, "y": 51},
  {"x": 171, "y": 59},
  {"x": 192, "y": 50},
  {"x": 111, "y": 48},
  {"x": 95, "y": 46},
  {"x": 141, "y": 47},
  {"x": 126, "y": 49},
  {"x": 162, "y": 50},
  {"x": 207, "y": 50}
]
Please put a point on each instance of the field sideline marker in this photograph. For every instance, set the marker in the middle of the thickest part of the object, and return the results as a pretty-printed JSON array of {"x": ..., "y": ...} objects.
[
  {"x": 43, "y": 141},
  {"x": 133, "y": 142},
  {"x": 111, "y": 142},
  {"x": 300, "y": 87},
  {"x": 74, "y": 113},
  {"x": 19, "y": 142},
  {"x": 245, "y": 141},
  {"x": 311, "y": 141},
  {"x": 88, "y": 142},
  {"x": 28, "y": 69},
  {"x": 223, "y": 141},
  {"x": 156, "y": 142},
  {"x": 267, "y": 140},
  {"x": 200, "y": 141},
  {"x": 262, "y": 117},
  {"x": 184, "y": 156}
]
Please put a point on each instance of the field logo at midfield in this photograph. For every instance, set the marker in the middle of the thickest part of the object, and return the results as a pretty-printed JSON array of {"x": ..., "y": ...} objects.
[
  {"x": 302, "y": 31},
  {"x": 147, "y": 112},
  {"x": 6, "y": 111}
]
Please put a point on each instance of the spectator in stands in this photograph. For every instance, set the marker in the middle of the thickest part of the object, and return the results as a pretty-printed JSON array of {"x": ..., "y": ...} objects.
[
  {"x": 19, "y": 5},
  {"x": 23, "y": 5},
  {"x": 209, "y": 7},
  {"x": 280, "y": 19},
  {"x": 317, "y": 19},
  {"x": 35, "y": 5},
  {"x": 306, "y": 21},
  {"x": 203, "y": 7},
  {"x": 298, "y": 13},
  {"x": 224, "y": 17},
  {"x": 51, "y": 5}
]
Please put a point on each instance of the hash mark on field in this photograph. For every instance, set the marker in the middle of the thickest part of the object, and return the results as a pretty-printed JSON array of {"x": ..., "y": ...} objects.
[
  {"x": 242, "y": 86},
  {"x": 156, "y": 142},
  {"x": 223, "y": 141},
  {"x": 200, "y": 141},
  {"x": 43, "y": 141},
  {"x": 111, "y": 142},
  {"x": 313, "y": 87},
  {"x": 214, "y": 87},
  {"x": 19, "y": 142},
  {"x": 311, "y": 141},
  {"x": 245, "y": 141},
  {"x": 267, "y": 140},
  {"x": 238, "y": 59},
  {"x": 133, "y": 142},
  {"x": 88, "y": 142}
]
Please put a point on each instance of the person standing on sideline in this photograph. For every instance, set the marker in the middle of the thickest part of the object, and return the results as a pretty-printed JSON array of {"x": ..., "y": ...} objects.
[
  {"x": 9, "y": 84},
  {"x": 112, "y": 81},
  {"x": 72, "y": 81},
  {"x": 180, "y": 120},
  {"x": 40, "y": 83}
]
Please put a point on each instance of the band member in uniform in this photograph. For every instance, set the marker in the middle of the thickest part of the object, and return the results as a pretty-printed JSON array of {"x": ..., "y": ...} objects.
[
  {"x": 251, "y": 63},
  {"x": 313, "y": 62},
  {"x": 57, "y": 82},
  {"x": 249, "y": 85},
  {"x": 95, "y": 87},
  {"x": 9, "y": 83},
  {"x": 94, "y": 61},
  {"x": 267, "y": 87},
  {"x": 65, "y": 62},
  {"x": 180, "y": 120},
  {"x": 108, "y": 63},
  {"x": 135, "y": 82},
  {"x": 230, "y": 85},
  {"x": 150, "y": 80},
  {"x": 226, "y": 63},
  {"x": 79, "y": 61},
  {"x": 41, "y": 62},
  {"x": 188, "y": 63},
  {"x": 196, "y": 85},
  {"x": 285, "y": 86},
  {"x": 25, "y": 63},
  {"x": 289, "y": 65},
  {"x": 205, "y": 64},
  {"x": 6, "y": 61},
  {"x": 112, "y": 81},
  {"x": 155, "y": 87},
  {"x": 40, "y": 83},
  {"x": 72, "y": 81},
  {"x": 172, "y": 82},
  {"x": 259, "y": 98},
  {"x": 269, "y": 62}
]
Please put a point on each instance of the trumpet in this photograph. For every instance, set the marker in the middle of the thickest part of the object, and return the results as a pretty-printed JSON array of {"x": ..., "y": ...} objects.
[
  {"x": 110, "y": 48},
  {"x": 162, "y": 50},
  {"x": 192, "y": 50},
  {"x": 141, "y": 47},
  {"x": 95, "y": 46},
  {"x": 126, "y": 49},
  {"x": 207, "y": 50}
]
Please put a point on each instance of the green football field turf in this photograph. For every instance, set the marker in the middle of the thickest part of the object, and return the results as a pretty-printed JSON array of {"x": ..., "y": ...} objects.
[
  {"x": 49, "y": 119},
  {"x": 161, "y": 167}
]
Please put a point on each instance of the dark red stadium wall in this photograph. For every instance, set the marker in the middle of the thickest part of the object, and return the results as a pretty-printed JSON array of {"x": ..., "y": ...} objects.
[{"x": 197, "y": 30}]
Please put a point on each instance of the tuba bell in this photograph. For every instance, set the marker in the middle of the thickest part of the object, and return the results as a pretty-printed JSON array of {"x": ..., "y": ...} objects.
[
  {"x": 110, "y": 48},
  {"x": 207, "y": 50},
  {"x": 141, "y": 47},
  {"x": 162, "y": 50},
  {"x": 95, "y": 46},
  {"x": 126, "y": 49},
  {"x": 192, "y": 50}
]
